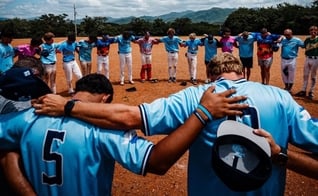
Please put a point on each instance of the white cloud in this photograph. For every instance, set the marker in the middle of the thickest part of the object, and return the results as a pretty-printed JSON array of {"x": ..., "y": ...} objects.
[{"x": 124, "y": 8}]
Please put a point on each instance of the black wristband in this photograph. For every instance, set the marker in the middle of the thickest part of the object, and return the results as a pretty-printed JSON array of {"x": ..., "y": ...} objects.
[{"x": 69, "y": 106}]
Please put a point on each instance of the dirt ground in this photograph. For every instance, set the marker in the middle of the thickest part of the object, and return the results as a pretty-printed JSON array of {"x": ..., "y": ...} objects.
[{"x": 174, "y": 181}]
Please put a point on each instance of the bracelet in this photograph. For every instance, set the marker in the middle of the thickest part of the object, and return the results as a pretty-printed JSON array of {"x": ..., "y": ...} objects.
[
  {"x": 205, "y": 111},
  {"x": 196, "y": 113},
  {"x": 69, "y": 106}
]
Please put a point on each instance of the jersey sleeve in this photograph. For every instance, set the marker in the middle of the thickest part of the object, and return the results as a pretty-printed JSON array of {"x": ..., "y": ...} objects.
[{"x": 127, "y": 148}]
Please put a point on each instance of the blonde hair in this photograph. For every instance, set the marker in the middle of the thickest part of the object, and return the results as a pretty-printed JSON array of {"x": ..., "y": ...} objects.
[{"x": 224, "y": 63}]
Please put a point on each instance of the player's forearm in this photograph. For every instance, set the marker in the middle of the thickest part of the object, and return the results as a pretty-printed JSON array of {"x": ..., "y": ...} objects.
[
  {"x": 14, "y": 175},
  {"x": 113, "y": 116},
  {"x": 173, "y": 146},
  {"x": 303, "y": 163}
]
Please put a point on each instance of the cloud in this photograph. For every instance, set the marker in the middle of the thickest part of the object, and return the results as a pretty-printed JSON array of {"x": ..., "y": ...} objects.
[{"x": 124, "y": 8}]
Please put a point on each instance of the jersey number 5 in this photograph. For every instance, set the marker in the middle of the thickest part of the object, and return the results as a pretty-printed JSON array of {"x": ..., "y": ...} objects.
[{"x": 49, "y": 156}]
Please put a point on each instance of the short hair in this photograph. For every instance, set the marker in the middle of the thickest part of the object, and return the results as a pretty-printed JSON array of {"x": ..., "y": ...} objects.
[
  {"x": 92, "y": 38},
  {"x": 71, "y": 37},
  {"x": 192, "y": 35},
  {"x": 36, "y": 41},
  {"x": 263, "y": 30},
  {"x": 48, "y": 36},
  {"x": 95, "y": 83},
  {"x": 224, "y": 63},
  {"x": 171, "y": 30}
]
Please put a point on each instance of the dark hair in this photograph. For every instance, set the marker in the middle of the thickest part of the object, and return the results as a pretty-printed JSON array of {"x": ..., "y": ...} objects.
[
  {"x": 36, "y": 41},
  {"x": 31, "y": 62},
  {"x": 71, "y": 37},
  {"x": 95, "y": 83},
  {"x": 92, "y": 38}
]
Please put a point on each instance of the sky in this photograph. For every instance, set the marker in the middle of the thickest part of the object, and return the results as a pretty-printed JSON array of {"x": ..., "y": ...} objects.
[{"x": 123, "y": 8}]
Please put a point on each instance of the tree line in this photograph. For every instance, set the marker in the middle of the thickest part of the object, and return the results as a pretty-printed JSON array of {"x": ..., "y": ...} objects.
[{"x": 275, "y": 19}]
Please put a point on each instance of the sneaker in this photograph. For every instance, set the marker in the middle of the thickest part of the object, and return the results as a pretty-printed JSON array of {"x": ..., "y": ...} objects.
[
  {"x": 207, "y": 81},
  {"x": 122, "y": 83},
  {"x": 131, "y": 82},
  {"x": 142, "y": 80},
  {"x": 170, "y": 80},
  {"x": 71, "y": 91},
  {"x": 174, "y": 80},
  {"x": 194, "y": 82},
  {"x": 300, "y": 94},
  {"x": 310, "y": 95}
]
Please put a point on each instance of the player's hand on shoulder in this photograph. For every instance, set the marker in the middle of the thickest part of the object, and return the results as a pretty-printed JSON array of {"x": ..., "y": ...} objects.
[
  {"x": 50, "y": 104},
  {"x": 221, "y": 104}
]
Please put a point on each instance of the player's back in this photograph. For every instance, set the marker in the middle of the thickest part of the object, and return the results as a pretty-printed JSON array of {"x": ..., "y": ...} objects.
[{"x": 61, "y": 156}]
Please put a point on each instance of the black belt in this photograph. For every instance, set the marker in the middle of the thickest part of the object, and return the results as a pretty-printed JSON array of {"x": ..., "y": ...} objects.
[
  {"x": 68, "y": 61},
  {"x": 172, "y": 52},
  {"x": 313, "y": 57},
  {"x": 287, "y": 58},
  {"x": 192, "y": 52}
]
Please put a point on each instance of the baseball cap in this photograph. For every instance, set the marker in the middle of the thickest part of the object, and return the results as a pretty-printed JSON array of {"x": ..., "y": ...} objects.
[
  {"x": 20, "y": 84},
  {"x": 240, "y": 158}
]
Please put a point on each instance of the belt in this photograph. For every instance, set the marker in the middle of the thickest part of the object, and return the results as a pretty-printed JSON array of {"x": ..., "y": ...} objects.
[
  {"x": 172, "y": 52},
  {"x": 192, "y": 52},
  {"x": 287, "y": 58},
  {"x": 68, "y": 61},
  {"x": 313, "y": 57}
]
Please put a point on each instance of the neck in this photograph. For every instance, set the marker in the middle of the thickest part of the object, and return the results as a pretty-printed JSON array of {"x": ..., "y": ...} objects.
[{"x": 232, "y": 76}]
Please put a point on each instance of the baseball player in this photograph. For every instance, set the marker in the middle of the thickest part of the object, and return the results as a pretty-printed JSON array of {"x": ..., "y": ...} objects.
[
  {"x": 311, "y": 63},
  {"x": 265, "y": 41},
  {"x": 211, "y": 45},
  {"x": 145, "y": 47},
  {"x": 29, "y": 50},
  {"x": 84, "y": 49},
  {"x": 289, "y": 53},
  {"x": 193, "y": 46},
  {"x": 64, "y": 155},
  {"x": 281, "y": 116},
  {"x": 227, "y": 42},
  {"x": 103, "y": 46},
  {"x": 172, "y": 43},
  {"x": 48, "y": 59},
  {"x": 6, "y": 50},
  {"x": 125, "y": 57},
  {"x": 70, "y": 66},
  {"x": 245, "y": 43}
]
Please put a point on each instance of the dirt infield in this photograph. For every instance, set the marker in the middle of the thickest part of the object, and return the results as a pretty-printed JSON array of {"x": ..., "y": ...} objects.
[{"x": 174, "y": 181}]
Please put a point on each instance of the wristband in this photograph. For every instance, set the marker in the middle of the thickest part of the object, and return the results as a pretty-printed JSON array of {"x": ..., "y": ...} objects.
[
  {"x": 205, "y": 111},
  {"x": 196, "y": 113},
  {"x": 69, "y": 106}
]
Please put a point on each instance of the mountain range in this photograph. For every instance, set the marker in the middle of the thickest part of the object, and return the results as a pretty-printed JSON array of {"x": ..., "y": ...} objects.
[{"x": 213, "y": 15}]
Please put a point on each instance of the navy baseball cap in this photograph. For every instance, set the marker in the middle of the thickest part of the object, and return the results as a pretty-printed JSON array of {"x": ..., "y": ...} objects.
[
  {"x": 240, "y": 158},
  {"x": 20, "y": 84}
]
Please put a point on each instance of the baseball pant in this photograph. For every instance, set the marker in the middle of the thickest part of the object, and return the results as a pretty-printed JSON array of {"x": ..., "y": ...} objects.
[
  {"x": 103, "y": 62},
  {"x": 172, "y": 64},
  {"x": 125, "y": 59},
  {"x": 288, "y": 67},
  {"x": 50, "y": 76},
  {"x": 310, "y": 68},
  {"x": 146, "y": 66},
  {"x": 192, "y": 62},
  {"x": 70, "y": 68}
]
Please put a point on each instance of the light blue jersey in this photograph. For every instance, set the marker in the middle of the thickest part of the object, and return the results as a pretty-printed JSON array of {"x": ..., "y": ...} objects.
[
  {"x": 51, "y": 49},
  {"x": 193, "y": 45},
  {"x": 171, "y": 44},
  {"x": 124, "y": 45},
  {"x": 246, "y": 46},
  {"x": 68, "y": 51},
  {"x": 210, "y": 48},
  {"x": 85, "y": 50},
  {"x": 6, "y": 57},
  {"x": 66, "y": 156},
  {"x": 290, "y": 47},
  {"x": 277, "y": 113}
]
